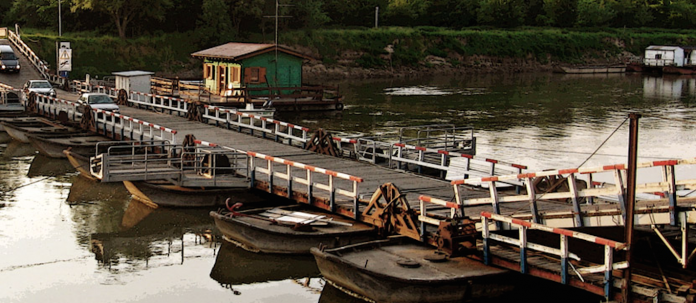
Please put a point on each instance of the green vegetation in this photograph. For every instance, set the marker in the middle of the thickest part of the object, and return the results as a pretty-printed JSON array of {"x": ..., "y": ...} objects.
[
  {"x": 161, "y": 34},
  {"x": 170, "y": 53}
]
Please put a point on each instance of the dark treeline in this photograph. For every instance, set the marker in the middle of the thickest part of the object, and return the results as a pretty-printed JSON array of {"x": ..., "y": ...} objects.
[{"x": 224, "y": 20}]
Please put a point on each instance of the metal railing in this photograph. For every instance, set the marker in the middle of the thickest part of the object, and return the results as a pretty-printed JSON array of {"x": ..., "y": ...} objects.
[
  {"x": 108, "y": 123},
  {"x": 266, "y": 126},
  {"x": 571, "y": 179},
  {"x": 24, "y": 49},
  {"x": 312, "y": 178},
  {"x": 563, "y": 251}
]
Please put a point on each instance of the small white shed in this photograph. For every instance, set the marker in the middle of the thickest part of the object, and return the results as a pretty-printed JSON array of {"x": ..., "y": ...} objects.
[
  {"x": 658, "y": 55},
  {"x": 136, "y": 80}
]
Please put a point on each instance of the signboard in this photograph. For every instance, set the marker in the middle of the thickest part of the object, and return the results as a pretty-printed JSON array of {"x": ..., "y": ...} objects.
[{"x": 64, "y": 57}]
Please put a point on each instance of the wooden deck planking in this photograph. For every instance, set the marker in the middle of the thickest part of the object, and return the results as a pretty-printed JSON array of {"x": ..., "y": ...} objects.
[{"x": 374, "y": 176}]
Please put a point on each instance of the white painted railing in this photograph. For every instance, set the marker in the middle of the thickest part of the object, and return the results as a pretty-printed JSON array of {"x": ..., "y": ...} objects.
[
  {"x": 563, "y": 251},
  {"x": 106, "y": 122},
  {"x": 230, "y": 118},
  {"x": 451, "y": 165},
  {"x": 314, "y": 178},
  {"x": 266, "y": 126},
  {"x": 668, "y": 187},
  {"x": 24, "y": 49}
]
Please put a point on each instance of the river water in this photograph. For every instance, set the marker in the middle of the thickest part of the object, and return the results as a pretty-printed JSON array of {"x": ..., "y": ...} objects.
[{"x": 66, "y": 239}]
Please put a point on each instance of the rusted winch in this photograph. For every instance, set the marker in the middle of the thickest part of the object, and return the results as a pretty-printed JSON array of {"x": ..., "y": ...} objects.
[{"x": 456, "y": 237}]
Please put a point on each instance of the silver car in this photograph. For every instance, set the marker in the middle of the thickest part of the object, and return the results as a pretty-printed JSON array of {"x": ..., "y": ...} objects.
[
  {"x": 98, "y": 101},
  {"x": 42, "y": 87}
]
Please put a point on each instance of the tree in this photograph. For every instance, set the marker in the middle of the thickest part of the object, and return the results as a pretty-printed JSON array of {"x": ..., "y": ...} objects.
[
  {"x": 33, "y": 13},
  {"x": 452, "y": 13},
  {"x": 123, "y": 12},
  {"x": 561, "y": 13},
  {"x": 594, "y": 13},
  {"x": 308, "y": 14},
  {"x": 406, "y": 12},
  {"x": 503, "y": 13},
  {"x": 682, "y": 14},
  {"x": 631, "y": 13}
]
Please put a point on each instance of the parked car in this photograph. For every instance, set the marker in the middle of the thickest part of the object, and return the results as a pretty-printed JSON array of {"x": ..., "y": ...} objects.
[
  {"x": 42, "y": 87},
  {"x": 8, "y": 61},
  {"x": 99, "y": 101}
]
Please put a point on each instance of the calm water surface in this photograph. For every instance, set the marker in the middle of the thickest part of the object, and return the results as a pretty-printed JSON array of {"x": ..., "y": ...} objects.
[{"x": 66, "y": 239}]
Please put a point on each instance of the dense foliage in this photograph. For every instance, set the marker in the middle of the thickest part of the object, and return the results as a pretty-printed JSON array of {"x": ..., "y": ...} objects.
[
  {"x": 161, "y": 34},
  {"x": 223, "y": 20}
]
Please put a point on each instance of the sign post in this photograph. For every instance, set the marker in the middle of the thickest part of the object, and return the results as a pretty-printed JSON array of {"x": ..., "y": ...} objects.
[{"x": 64, "y": 54}]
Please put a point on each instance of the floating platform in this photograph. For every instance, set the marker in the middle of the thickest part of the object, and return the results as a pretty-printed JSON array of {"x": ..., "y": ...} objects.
[
  {"x": 401, "y": 270},
  {"x": 289, "y": 230}
]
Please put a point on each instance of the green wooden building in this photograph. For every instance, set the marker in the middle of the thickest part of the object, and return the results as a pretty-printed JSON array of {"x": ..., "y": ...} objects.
[{"x": 228, "y": 67}]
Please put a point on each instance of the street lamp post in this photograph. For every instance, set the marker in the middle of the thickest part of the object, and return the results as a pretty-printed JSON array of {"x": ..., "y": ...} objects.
[{"x": 60, "y": 22}]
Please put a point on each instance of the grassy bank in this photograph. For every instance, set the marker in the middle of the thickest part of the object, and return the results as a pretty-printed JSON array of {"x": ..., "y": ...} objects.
[
  {"x": 367, "y": 48},
  {"x": 412, "y": 45},
  {"x": 102, "y": 55}
]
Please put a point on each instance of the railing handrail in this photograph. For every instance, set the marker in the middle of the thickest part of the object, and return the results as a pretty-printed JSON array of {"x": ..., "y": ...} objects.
[
  {"x": 52, "y": 105},
  {"x": 559, "y": 231},
  {"x": 35, "y": 60},
  {"x": 589, "y": 170},
  {"x": 563, "y": 251}
]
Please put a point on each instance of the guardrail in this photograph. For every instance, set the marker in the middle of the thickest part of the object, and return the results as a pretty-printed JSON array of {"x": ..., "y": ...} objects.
[
  {"x": 563, "y": 251},
  {"x": 230, "y": 118},
  {"x": 335, "y": 183},
  {"x": 24, "y": 49},
  {"x": 198, "y": 166},
  {"x": 566, "y": 184},
  {"x": 448, "y": 164},
  {"x": 275, "y": 128},
  {"x": 106, "y": 122}
]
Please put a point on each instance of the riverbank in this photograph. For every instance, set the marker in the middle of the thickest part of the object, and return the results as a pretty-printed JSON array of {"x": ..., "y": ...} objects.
[{"x": 377, "y": 53}]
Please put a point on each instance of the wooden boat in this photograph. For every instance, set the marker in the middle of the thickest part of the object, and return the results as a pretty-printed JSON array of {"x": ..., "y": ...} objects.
[
  {"x": 80, "y": 163},
  {"x": 289, "y": 230},
  {"x": 167, "y": 194},
  {"x": 381, "y": 271},
  {"x": 19, "y": 130},
  {"x": 236, "y": 266},
  {"x": 590, "y": 69},
  {"x": 81, "y": 143},
  {"x": 679, "y": 70},
  {"x": 17, "y": 118}
]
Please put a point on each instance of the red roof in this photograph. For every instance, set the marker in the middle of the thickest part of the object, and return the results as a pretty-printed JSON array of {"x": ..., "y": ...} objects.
[{"x": 238, "y": 51}]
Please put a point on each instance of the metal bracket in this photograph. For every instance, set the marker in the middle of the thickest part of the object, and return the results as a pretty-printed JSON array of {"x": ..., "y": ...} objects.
[{"x": 394, "y": 215}]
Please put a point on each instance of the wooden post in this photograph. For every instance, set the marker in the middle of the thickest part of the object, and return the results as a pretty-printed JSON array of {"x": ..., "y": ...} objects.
[
  {"x": 485, "y": 232},
  {"x": 523, "y": 249},
  {"x": 608, "y": 268},
  {"x": 532, "y": 200},
  {"x": 630, "y": 202},
  {"x": 564, "y": 259}
]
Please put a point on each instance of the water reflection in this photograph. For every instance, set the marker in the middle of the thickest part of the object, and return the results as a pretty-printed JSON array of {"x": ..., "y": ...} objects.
[
  {"x": 88, "y": 191},
  {"x": 43, "y": 166},
  {"x": 17, "y": 149},
  {"x": 669, "y": 87},
  {"x": 145, "y": 237},
  {"x": 235, "y": 266}
]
